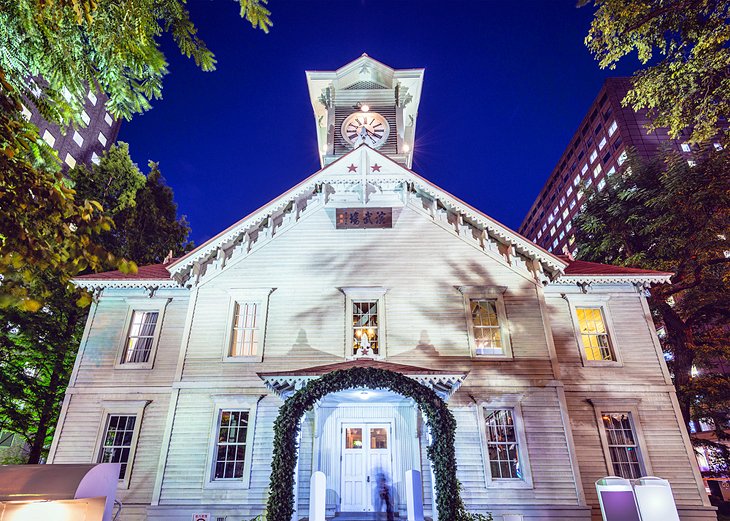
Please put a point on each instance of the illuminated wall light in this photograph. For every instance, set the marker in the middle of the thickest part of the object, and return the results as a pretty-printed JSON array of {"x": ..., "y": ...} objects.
[
  {"x": 406, "y": 147},
  {"x": 43, "y": 510},
  {"x": 364, "y": 108}
]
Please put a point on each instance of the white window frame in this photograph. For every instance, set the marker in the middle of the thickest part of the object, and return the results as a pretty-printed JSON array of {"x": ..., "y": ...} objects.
[
  {"x": 513, "y": 403},
  {"x": 258, "y": 296},
  {"x": 126, "y": 408},
  {"x": 361, "y": 293},
  {"x": 488, "y": 293},
  {"x": 141, "y": 304},
  {"x": 231, "y": 402},
  {"x": 595, "y": 301},
  {"x": 607, "y": 405}
]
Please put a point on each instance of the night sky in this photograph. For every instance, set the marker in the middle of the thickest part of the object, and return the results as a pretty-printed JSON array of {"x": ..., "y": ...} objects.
[{"x": 506, "y": 85}]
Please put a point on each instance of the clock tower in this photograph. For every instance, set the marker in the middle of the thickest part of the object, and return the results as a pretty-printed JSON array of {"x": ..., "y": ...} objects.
[{"x": 365, "y": 103}]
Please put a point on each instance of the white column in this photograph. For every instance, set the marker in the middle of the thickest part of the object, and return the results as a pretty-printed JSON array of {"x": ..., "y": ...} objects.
[
  {"x": 317, "y": 496},
  {"x": 414, "y": 495}
]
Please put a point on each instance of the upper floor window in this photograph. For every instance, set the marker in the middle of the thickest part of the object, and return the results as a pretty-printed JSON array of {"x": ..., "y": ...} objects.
[
  {"x": 116, "y": 445},
  {"x": 245, "y": 334},
  {"x": 230, "y": 448},
  {"x": 686, "y": 147},
  {"x": 141, "y": 337},
  {"x": 622, "y": 444},
  {"x": 593, "y": 333},
  {"x": 49, "y": 138},
  {"x": 92, "y": 98},
  {"x": 108, "y": 119},
  {"x": 612, "y": 128},
  {"x": 487, "y": 321},
  {"x": 602, "y": 143},
  {"x": 594, "y": 156},
  {"x": 365, "y": 327}
]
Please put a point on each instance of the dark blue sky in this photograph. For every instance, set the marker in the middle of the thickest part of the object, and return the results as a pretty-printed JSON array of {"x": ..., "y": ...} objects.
[{"x": 506, "y": 84}]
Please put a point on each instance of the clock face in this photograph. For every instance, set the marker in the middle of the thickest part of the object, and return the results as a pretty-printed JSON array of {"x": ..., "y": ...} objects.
[{"x": 369, "y": 128}]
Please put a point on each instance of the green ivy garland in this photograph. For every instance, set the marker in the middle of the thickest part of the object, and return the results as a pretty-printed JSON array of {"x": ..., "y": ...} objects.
[{"x": 280, "y": 506}]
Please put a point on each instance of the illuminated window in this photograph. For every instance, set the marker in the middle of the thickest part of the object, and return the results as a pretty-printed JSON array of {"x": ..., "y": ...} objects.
[
  {"x": 70, "y": 160},
  {"x": 612, "y": 128},
  {"x": 102, "y": 138},
  {"x": 568, "y": 226},
  {"x": 108, "y": 119},
  {"x": 584, "y": 169},
  {"x": 593, "y": 156},
  {"x": 539, "y": 234},
  {"x": 551, "y": 218},
  {"x": 116, "y": 443},
  {"x": 565, "y": 213},
  {"x": 230, "y": 448},
  {"x": 552, "y": 230},
  {"x": 560, "y": 221},
  {"x": 601, "y": 184},
  {"x": 621, "y": 158},
  {"x": 569, "y": 191},
  {"x": 246, "y": 331},
  {"x": 622, "y": 445},
  {"x": 562, "y": 235},
  {"x": 555, "y": 243},
  {"x": 593, "y": 334},
  {"x": 365, "y": 327},
  {"x": 572, "y": 204},
  {"x": 92, "y": 98},
  {"x": 691, "y": 163},
  {"x": 85, "y": 117},
  {"x": 78, "y": 139},
  {"x": 94, "y": 158},
  {"x": 140, "y": 337},
  {"x": 485, "y": 327},
  {"x": 597, "y": 170},
  {"x": 27, "y": 114},
  {"x": 717, "y": 146},
  {"x": 611, "y": 171},
  {"x": 49, "y": 138},
  {"x": 576, "y": 181},
  {"x": 686, "y": 147},
  {"x": 602, "y": 143},
  {"x": 562, "y": 201}
]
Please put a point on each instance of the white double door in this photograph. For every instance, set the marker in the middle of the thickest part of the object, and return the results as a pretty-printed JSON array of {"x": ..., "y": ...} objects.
[{"x": 366, "y": 459}]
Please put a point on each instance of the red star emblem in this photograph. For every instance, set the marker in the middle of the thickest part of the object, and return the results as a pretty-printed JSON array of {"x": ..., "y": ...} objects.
[
  {"x": 376, "y": 167},
  {"x": 352, "y": 168}
]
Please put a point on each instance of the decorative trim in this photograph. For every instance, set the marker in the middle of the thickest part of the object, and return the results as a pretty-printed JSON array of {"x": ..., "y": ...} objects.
[{"x": 614, "y": 279}]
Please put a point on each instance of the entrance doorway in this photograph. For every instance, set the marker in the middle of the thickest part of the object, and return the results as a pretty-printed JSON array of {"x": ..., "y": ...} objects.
[{"x": 366, "y": 453}]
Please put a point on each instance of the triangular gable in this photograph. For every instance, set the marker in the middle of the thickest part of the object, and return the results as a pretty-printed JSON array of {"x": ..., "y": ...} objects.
[{"x": 366, "y": 177}]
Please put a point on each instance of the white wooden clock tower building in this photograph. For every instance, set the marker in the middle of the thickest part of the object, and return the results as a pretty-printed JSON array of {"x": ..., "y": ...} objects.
[{"x": 550, "y": 366}]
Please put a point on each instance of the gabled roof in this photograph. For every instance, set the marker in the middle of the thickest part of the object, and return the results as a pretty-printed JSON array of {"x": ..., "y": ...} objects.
[{"x": 579, "y": 271}]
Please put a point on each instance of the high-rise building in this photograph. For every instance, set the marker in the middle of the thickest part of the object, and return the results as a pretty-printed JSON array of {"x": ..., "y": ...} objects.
[
  {"x": 83, "y": 144},
  {"x": 596, "y": 151}
]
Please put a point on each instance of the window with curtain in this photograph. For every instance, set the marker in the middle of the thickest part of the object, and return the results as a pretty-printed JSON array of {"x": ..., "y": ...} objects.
[{"x": 140, "y": 338}]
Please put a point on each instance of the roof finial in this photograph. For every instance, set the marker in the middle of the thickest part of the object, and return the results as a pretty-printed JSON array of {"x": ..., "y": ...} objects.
[{"x": 168, "y": 258}]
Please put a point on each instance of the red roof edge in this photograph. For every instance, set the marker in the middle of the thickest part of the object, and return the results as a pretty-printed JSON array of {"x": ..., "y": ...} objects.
[{"x": 581, "y": 267}]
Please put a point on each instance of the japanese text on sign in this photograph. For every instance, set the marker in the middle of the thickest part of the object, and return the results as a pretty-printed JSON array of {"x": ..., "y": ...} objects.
[{"x": 364, "y": 218}]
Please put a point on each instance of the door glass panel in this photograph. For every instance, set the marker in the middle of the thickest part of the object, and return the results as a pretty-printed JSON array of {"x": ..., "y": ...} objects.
[
  {"x": 353, "y": 438},
  {"x": 378, "y": 438}
]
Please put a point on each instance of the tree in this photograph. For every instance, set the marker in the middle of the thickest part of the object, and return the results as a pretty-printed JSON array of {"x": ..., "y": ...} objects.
[
  {"x": 687, "y": 46},
  {"x": 51, "y": 53},
  {"x": 667, "y": 215},
  {"x": 37, "y": 349}
]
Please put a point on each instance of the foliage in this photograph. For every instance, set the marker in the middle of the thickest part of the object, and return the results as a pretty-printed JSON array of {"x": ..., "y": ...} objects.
[
  {"x": 42, "y": 226},
  {"x": 441, "y": 422},
  {"x": 112, "y": 45},
  {"x": 687, "y": 46},
  {"x": 141, "y": 206},
  {"x": 37, "y": 349},
  {"x": 667, "y": 215}
]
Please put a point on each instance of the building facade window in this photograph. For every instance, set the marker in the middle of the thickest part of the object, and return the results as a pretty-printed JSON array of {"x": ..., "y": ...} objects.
[
  {"x": 487, "y": 321},
  {"x": 593, "y": 156},
  {"x": 612, "y": 128},
  {"x": 102, "y": 138},
  {"x": 597, "y": 170},
  {"x": 593, "y": 332},
  {"x": 116, "y": 446},
  {"x": 78, "y": 139},
  {"x": 245, "y": 334},
  {"x": 622, "y": 444},
  {"x": 365, "y": 327},
  {"x": 49, "y": 138},
  {"x": 141, "y": 337},
  {"x": 85, "y": 117},
  {"x": 92, "y": 98},
  {"x": 621, "y": 158},
  {"x": 602, "y": 143},
  {"x": 686, "y": 147},
  {"x": 502, "y": 444},
  {"x": 230, "y": 449},
  {"x": 108, "y": 119},
  {"x": 70, "y": 160}
]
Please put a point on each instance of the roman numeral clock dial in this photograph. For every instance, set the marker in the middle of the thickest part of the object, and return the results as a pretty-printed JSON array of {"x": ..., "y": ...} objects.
[{"x": 369, "y": 128}]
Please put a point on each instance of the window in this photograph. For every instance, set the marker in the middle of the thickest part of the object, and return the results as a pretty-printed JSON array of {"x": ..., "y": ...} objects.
[
  {"x": 551, "y": 218},
  {"x": 601, "y": 184},
  {"x": 562, "y": 235},
  {"x": 539, "y": 234},
  {"x": 569, "y": 191},
  {"x": 597, "y": 170},
  {"x": 584, "y": 169},
  {"x": 487, "y": 320},
  {"x": 621, "y": 158},
  {"x": 108, "y": 119},
  {"x": 94, "y": 158},
  {"x": 572, "y": 204},
  {"x": 611, "y": 171},
  {"x": 49, "y": 138},
  {"x": 92, "y": 98},
  {"x": 568, "y": 226},
  {"x": 85, "y": 117},
  {"x": 141, "y": 337},
  {"x": 70, "y": 160},
  {"x": 365, "y": 327},
  {"x": 562, "y": 201},
  {"x": 717, "y": 146},
  {"x": 565, "y": 213},
  {"x": 686, "y": 147},
  {"x": 245, "y": 334},
  {"x": 366, "y": 317},
  {"x": 560, "y": 221},
  {"x": 691, "y": 163},
  {"x": 116, "y": 446},
  {"x": 27, "y": 114},
  {"x": 593, "y": 334},
  {"x": 593, "y": 156},
  {"x": 552, "y": 230},
  {"x": 555, "y": 243},
  {"x": 78, "y": 139},
  {"x": 505, "y": 449},
  {"x": 230, "y": 449},
  {"x": 576, "y": 181},
  {"x": 102, "y": 138},
  {"x": 612, "y": 128},
  {"x": 622, "y": 444}
]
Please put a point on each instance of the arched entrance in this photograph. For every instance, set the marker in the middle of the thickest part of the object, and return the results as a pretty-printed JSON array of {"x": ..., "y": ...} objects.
[{"x": 439, "y": 419}]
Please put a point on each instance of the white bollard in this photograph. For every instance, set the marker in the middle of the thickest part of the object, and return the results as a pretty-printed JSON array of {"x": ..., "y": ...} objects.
[
  {"x": 317, "y": 496},
  {"x": 414, "y": 495}
]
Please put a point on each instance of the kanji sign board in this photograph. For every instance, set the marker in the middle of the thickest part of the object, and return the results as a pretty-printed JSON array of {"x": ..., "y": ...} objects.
[{"x": 364, "y": 218}]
